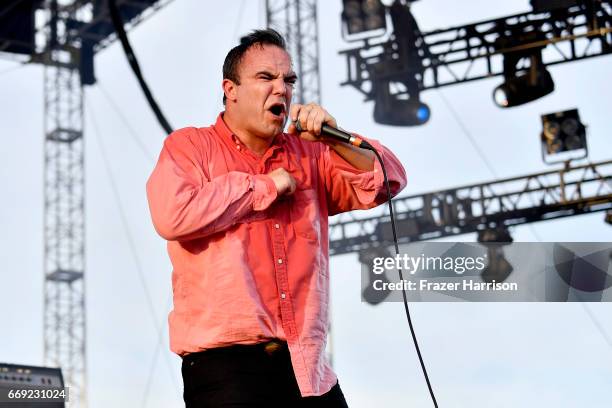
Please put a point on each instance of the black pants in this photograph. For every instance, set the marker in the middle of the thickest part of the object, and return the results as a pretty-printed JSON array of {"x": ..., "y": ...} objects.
[{"x": 248, "y": 376}]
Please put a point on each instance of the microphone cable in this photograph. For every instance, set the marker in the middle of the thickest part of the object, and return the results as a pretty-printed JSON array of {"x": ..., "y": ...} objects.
[
  {"x": 367, "y": 146},
  {"x": 346, "y": 137}
]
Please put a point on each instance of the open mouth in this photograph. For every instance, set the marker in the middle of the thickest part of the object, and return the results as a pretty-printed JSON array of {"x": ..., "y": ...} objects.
[{"x": 277, "y": 109}]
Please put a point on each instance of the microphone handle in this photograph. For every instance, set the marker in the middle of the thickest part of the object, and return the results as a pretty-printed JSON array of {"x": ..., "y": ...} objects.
[{"x": 340, "y": 135}]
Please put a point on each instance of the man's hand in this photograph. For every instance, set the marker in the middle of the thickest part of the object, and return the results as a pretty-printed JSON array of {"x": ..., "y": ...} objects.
[
  {"x": 284, "y": 182},
  {"x": 311, "y": 118}
]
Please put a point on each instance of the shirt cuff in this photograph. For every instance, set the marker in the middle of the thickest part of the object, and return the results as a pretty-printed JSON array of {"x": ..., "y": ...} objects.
[
  {"x": 367, "y": 184},
  {"x": 264, "y": 191}
]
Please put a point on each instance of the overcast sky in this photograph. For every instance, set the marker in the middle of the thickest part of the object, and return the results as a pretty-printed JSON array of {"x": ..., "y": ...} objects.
[{"x": 478, "y": 354}]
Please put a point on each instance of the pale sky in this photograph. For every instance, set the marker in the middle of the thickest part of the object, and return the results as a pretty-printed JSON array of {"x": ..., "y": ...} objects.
[{"x": 478, "y": 354}]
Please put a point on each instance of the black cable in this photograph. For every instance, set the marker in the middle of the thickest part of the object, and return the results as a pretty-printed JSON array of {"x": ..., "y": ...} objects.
[
  {"x": 129, "y": 53},
  {"x": 132, "y": 247},
  {"x": 414, "y": 339}
]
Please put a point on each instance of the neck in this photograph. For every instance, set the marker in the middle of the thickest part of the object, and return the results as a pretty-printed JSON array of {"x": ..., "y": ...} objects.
[{"x": 257, "y": 145}]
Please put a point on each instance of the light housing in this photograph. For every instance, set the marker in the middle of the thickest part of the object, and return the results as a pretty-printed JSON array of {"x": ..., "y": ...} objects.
[
  {"x": 526, "y": 87},
  {"x": 563, "y": 137},
  {"x": 390, "y": 110},
  {"x": 363, "y": 19}
]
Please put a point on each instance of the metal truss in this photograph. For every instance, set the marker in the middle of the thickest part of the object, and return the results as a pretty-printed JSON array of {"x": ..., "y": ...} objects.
[
  {"x": 502, "y": 203},
  {"x": 98, "y": 28},
  {"x": 64, "y": 212},
  {"x": 70, "y": 27},
  {"x": 296, "y": 20},
  {"x": 475, "y": 51}
]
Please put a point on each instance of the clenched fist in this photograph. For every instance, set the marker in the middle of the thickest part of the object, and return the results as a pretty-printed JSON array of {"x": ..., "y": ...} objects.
[{"x": 284, "y": 182}]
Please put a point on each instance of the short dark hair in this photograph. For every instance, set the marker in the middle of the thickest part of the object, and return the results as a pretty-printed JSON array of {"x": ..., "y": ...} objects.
[{"x": 233, "y": 58}]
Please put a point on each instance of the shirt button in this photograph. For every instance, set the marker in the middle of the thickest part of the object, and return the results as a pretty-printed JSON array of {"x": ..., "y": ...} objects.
[
  {"x": 283, "y": 296},
  {"x": 276, "y": 226},
  {"x": 280, "y": 261}
]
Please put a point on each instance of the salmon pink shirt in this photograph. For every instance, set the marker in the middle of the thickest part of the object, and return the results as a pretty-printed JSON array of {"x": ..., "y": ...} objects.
[{"x": 249, "y": 265}]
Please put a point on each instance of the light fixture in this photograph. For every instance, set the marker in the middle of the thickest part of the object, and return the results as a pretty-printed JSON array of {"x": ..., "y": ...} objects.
[
  {"x": 563, "y": 137},
  {"x": 525, "y": 87},
  {"x": 366, "y": 258},
  {"x": 525, "y": 83},
  {"x": 363, "y": 19},
  {"x": 398, "y": 109},
  {"x": 498, "y": 268},
  {"x": 396, "y": 78}
]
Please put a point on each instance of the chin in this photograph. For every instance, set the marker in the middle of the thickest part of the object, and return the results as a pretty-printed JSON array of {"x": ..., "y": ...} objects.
[{"x": 275, "y": 130}]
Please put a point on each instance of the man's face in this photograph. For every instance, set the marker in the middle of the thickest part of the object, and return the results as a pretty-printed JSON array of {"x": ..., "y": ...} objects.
[{"x": 263, "y": 97}]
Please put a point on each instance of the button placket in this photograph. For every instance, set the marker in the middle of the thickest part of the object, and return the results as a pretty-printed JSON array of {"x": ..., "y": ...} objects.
[{"x": 282, "y": 281}]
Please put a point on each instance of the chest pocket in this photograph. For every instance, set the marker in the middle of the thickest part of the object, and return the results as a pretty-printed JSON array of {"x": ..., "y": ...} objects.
[{"x": 305, "y": 215}]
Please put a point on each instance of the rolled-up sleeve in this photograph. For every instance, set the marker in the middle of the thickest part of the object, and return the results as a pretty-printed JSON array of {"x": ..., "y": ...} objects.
[{"x": 349, "y": 188}]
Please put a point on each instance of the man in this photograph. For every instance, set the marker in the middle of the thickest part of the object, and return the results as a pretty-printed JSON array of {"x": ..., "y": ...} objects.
[{"x": 245, "y": 209}]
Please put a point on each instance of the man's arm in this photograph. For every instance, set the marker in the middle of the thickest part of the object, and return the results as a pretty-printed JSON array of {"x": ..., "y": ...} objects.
[
  {"x": 185, "y": 203},
  {"x": 353, "y": 177},
  {"x": 350, "y": 188},
  {"x": 359, "y": 158},
  {"x": 311, "y": 118}
]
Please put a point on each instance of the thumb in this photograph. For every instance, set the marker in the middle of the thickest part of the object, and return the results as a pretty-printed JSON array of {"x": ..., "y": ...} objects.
[{"x": 291, "y": 129}]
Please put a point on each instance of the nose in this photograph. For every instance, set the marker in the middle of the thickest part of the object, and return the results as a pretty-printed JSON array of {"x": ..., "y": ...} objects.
[{"x": 280, "y": 87}]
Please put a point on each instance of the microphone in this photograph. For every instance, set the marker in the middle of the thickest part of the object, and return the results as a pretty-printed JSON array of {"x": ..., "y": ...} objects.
[{"x": 339, "y": 135}]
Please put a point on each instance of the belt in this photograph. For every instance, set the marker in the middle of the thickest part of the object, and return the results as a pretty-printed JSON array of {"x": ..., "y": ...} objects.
[{"x": 271, "y": 348}]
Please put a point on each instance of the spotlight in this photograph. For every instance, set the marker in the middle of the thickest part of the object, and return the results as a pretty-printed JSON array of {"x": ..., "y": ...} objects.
[
  {"x": 563, "y": 132},
  {"x": 498, "y": 234},
  {"x": 396, "y": 78},
  {"x": 391, "y": 110},
  {"x": 498, "y": 268},
  {"x": 527, "y": 87},
  {"x": 397, "y": 95},
  {"x": 524, "y": 84},
  {"x": 366, "y": 17},
  {"x": 366, "y": 258}
]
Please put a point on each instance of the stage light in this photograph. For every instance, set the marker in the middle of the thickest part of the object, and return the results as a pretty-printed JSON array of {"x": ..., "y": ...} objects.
[
  {"x": 498, "y": 268},
  {"x": 366, "y": 258},
  {"x": 396, "y": 78},
  {"x": 366, "y": 18},
  {"x": 526, "y": 87},
  {"x": 525, "y": 75},
  {"x": 18, "y": 26},
  {"x": 391, "y": 110},
  {"x": 563, "y": 132}
]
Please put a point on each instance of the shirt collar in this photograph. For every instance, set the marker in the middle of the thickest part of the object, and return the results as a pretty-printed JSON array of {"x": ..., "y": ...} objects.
[{"x": 230, "y": 137}]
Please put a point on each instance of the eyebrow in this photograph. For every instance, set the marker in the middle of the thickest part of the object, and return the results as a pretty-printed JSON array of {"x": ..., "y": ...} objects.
[{"x": 291, "y": 76}]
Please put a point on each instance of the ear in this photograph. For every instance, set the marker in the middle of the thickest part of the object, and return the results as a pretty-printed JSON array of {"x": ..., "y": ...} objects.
[{"x": 229, "y": 89}]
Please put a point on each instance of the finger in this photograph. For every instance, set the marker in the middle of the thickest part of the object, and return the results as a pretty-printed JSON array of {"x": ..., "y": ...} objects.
[
  {"x": 319, "y": 120},
  {"x": 330, "y": 120},
  {"x": 294, "y": 111},
  {"x": 303, "y": 117},
  {"x": 311, "y": 119}
]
